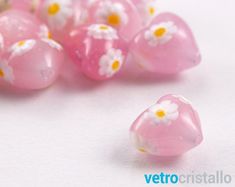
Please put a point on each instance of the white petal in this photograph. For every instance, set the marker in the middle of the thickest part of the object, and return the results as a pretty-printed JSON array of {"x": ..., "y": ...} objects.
[
  {"x": 171, "y": 108},
  {"x": 147, "y": 35},
  {"x": 172, "y": 116},
  {"x": 109, "y": 73},
  {"x": 104, "y": 61},
  {"x": 155, "y": 108},
  {"x": 173, "y": 29},
  {"x": 102, "y": 71},
  {"x": 150, "y": 114},
  {"x": 165, "y": 39},
  {"x": 124, "y": 17},
  {"x": 119, "y": 53},
  {"x": 165, "y": 120},
  {"x": 118, "y": 7},
  {"x": 154, "y": 27},
  {"x": 111, "y": 53},
  {"x": 165, "y": 103},
  {"x": 156, "y": 120},
  {"x": 53, "y": 44},
  {"x": 97, "y": 33},
  {"x": 20, "y": 50}
]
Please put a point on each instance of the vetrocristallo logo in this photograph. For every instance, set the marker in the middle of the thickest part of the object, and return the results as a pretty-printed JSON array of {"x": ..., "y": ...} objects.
[{"x": 218, "y": 177}]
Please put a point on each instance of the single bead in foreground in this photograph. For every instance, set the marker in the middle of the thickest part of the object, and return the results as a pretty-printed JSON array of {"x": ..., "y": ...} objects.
[{"x": 170, "y": 127}]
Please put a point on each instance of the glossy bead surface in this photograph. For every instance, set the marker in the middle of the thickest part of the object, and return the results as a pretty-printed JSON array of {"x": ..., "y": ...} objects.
[
  {"x": 166, "y": 46},
  {"x": 97, "y": 50},
  {"x": 32, "y": 64},
  {"x": 18, "y": 25},
  {"x": 170, "y": 127}
]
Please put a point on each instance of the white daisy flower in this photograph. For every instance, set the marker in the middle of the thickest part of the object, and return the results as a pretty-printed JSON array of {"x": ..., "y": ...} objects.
[
  {"x": 111, "y": 62},
  {"x": 163, "y": 113},
  {"x": 111, "y": 13},
  {"x": 101, "y": 31},
  {"x": 1, "y": 42},
  {"x": 22, "y": 47},
  {"x": 44, "y": 32},
  {"x": 149, "y": 9},
  {"x": 6, "y": 72},
  {"x": 52, "y": 43},
  {"x": 58, "y": 12},
  {"x": 141, "y": 144},
  {"x": 160, "y": 33}
]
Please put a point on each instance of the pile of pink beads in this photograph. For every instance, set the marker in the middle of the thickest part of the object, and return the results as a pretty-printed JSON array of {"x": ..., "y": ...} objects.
[{"x": 98, "y": 35}]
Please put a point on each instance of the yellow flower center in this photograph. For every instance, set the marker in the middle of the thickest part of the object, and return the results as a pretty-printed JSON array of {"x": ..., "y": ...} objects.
[
  {"x": 141, "y": 149},
  {"x": 116, "y": 65},
  {"x": 21, "y": 43},
  {"x": 152, "y": 11},
  {"x": 49, "y": 35},
  {"x": 53, "y": 9},
  {"x": 160, "y": 114},
  {"x": 114, "y": 19},
  {"x": 1, "y": 73},
  {"x": 160, "y": 32},
  {"x": 104, "y": 28}
]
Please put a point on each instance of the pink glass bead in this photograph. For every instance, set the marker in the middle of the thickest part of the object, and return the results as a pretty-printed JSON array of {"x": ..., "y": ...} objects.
[
  {"x": 121, "y": 14},
  {"x": 97, "y": 50},
  {"x": 166, "y": 46},
  {"x": 17, "y": 25},
  {"x": 32, "y": 64},
  {"x": 171, "y": 127}
]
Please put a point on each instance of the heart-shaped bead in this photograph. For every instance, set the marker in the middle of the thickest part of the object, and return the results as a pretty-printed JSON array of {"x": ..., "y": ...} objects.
[
  {"x": 32, "y": 64},
  {"x": 166, "y": 46},
  {"x": 170, "y": 127},
  {"x": 98, "y": 50},
  {"x": 120, "y": 14}
]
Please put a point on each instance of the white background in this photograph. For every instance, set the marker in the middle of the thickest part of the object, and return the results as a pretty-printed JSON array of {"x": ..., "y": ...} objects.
[{"x": 75, "y": 133}]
